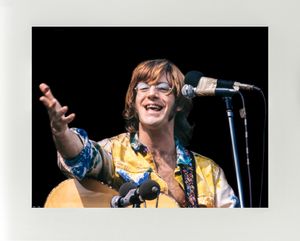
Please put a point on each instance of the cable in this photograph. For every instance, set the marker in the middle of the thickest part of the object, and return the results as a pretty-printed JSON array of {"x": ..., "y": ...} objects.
[
  {"x": 243, "y": 115},
  {"x": 263, "y": 146}
]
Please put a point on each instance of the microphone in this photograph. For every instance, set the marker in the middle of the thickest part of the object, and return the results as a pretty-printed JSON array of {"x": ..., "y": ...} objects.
[
  {"x": 132, "y": 195},
  {"x": 190, "y": 92},
  {"x": 198, "y": 85}
]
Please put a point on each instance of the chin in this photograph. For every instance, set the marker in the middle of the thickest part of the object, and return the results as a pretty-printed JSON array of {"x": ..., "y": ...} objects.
[
  {"x": 154, "y": 124},
  {"x": 151, "y": 124}
]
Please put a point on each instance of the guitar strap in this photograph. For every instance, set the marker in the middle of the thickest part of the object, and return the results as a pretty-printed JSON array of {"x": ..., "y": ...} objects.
[{"x": 188, "y": 173}]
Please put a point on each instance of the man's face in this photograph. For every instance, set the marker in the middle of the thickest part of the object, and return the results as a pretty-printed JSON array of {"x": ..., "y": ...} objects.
[{"x": 155, "y": 105}]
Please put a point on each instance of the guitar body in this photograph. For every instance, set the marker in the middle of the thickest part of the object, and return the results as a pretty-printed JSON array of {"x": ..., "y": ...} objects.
[{"x": 90, "y": 193}]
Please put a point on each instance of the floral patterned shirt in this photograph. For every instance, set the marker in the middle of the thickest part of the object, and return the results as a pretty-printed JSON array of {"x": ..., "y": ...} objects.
[{"x": 123, "y": 158}]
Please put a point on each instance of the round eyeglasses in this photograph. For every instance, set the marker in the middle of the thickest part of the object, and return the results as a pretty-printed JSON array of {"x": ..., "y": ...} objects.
[{"x": 162, "y": 87}]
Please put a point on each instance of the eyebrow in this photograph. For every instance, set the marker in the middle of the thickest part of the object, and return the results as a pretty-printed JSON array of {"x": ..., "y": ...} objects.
[
  {"x": 156, "y": 83},
  {"x": 160, "y": 82}
]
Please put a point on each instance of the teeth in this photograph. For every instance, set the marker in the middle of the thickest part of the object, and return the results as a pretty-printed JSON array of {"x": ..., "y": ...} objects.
[{"x": 153, "y": 107}]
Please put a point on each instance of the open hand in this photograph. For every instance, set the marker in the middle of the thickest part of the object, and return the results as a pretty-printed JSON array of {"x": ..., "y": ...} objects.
[{"x": 58, "y": 121}]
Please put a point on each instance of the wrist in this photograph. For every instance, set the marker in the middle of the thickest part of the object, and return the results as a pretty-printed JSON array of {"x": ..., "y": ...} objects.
[{"x": 59, "y": 133}]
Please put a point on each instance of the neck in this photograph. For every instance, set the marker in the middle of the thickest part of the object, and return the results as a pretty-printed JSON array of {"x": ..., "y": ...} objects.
[{"x": 158, "y": 141}]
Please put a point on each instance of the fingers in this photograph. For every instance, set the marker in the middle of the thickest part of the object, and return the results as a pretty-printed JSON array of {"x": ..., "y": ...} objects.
[
  {"x": 47, "y": 102},
  {"x": 59, "y": 115},
  {"x": 47, "y": 99},
  {"x": 56, "y": 112},
  {"x": 43, "y": 87},
  {"x": 46, "y": 91},
  {"x": 59, "y": 121},
  {"x": 69, "y": 118}
]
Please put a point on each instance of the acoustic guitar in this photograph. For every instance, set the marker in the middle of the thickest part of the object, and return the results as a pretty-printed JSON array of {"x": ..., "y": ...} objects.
[{"x": 90, "y": 193}]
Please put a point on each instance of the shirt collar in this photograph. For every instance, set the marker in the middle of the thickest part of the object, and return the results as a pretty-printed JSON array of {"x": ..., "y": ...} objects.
[
  {"x": 183, "y": 155},
  {"x": 136, "y": 145}
]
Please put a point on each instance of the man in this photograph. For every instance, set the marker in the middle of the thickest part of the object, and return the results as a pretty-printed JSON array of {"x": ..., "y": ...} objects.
[{"x": 153, "y": 147}]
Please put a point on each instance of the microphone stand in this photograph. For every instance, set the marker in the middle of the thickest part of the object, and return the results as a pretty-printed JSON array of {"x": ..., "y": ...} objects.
[{"x": 228, "y": 103}]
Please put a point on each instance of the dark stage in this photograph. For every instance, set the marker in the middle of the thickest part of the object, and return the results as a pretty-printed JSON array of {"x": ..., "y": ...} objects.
[{"x": 89, "y": 69}]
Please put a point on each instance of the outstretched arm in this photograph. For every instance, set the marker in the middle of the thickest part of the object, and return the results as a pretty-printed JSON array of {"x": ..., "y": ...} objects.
[{"x": 67, "y": 142}]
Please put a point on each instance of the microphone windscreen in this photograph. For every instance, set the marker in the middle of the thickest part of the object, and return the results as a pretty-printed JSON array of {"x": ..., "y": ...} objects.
[
  {"x": 126, "y": 187},
  {"x": 192, "y": 78},
  {"x": 149, "y": 190},
  {"x": 188, "y": 91}
]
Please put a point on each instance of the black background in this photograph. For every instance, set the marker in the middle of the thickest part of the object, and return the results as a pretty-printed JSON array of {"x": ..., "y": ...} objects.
[{"x": 89, "y": 69}]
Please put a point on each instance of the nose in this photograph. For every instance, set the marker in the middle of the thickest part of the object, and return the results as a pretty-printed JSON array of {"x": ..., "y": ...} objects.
[{"x": 152, "y": 91}]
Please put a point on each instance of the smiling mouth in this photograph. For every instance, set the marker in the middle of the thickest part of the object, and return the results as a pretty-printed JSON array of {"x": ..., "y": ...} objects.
[{"x": 153, "y": 107}]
